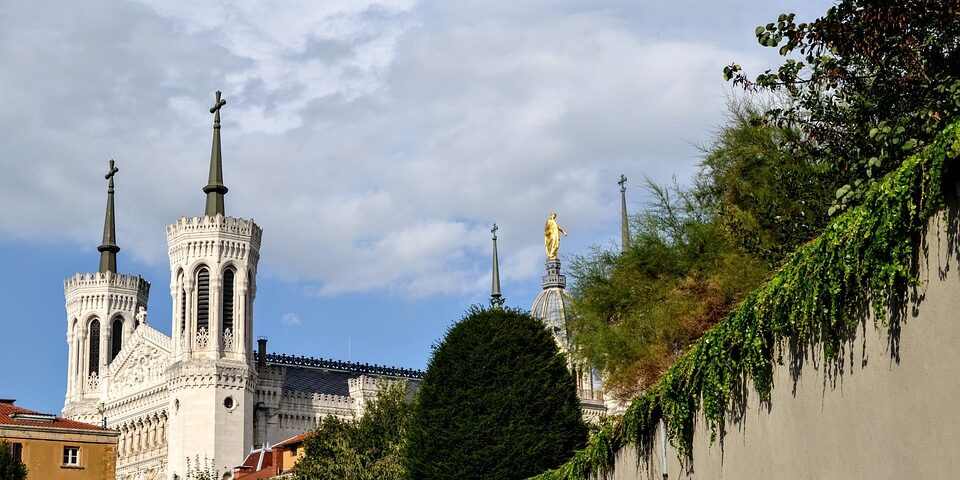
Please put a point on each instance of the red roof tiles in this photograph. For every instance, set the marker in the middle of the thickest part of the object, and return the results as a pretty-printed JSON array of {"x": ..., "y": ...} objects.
[
  {"x": 11, "y": 414},
  {"x": 292, "y": 440},
  {"x": 258, "y": 464}
]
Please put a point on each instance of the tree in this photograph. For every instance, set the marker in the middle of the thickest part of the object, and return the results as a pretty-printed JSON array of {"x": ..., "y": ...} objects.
[
  {"x": 11, "y": 468},
  {"x": 636, "y": 311},
  {"x": 497, "y": 402},
  {"x": 365, "y": 449},
  {"x": 866, "y": 83},
  {"x": 766, "y": 198}
]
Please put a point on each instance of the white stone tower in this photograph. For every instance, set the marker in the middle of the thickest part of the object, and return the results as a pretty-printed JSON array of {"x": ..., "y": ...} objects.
[
  {"x": 102, "y": 313},
  {"x": 213, "y": 267}
]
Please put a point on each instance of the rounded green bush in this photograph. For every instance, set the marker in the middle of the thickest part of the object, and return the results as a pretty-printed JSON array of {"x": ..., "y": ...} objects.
[{"x": 497, "y": 402}]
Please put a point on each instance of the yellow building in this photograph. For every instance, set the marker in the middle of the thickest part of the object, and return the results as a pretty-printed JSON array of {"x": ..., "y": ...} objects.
[
  {"x": 56, "y": 448},
  {"x": 288, "y": 452},
  {"x": 272, "y": 462}
]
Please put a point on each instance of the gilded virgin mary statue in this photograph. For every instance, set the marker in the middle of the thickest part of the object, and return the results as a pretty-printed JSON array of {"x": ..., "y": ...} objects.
[{"x": 551, "y": 236}]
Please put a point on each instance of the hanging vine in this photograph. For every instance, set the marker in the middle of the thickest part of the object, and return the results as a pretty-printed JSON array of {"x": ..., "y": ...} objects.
[{"x": 861, "y": 263}]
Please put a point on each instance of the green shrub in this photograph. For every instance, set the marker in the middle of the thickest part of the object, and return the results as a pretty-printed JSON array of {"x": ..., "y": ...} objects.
[
  {"x": 497, "y": 402},
  {"x": 365, "y": 449}
]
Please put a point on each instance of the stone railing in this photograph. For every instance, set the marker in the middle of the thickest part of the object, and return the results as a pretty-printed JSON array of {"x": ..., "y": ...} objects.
[
  {"x": 93, "y": 382},
  {"x": 590, "y": 394},
  {"x": 132, "y": 282},
  {"x": 218, "y": 223}
]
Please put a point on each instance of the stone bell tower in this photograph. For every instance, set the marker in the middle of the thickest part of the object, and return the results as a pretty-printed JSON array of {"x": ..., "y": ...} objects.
[
  {"x": 102, "y": 313},
  {"x": 213, "y": 267}
]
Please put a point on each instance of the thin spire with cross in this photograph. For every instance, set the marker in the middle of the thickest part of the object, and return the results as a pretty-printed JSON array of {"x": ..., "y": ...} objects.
[
  {"x": 215, "y": 188},
  {"x": 108, "y": 249},
  {"x": 496, "y": 299},
  {"x": 624, "y": 227}
]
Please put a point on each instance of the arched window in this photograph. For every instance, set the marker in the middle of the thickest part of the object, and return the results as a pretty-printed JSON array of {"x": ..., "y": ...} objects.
[
  {"x": 116, "y": 338},
  {"x": 74, "y": 347},
  {"x": 227, "y": 303},
  {"x": 94, "y": 359},
  {"x": 203, "y": 299},
  {"x": 183, "y": 303},
  {"x": 183, "y": 310}
]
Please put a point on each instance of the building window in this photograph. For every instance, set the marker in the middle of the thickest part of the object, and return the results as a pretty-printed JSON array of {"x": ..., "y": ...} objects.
[
  {"x": 94, "y": 350},
  {"x": 116, "y": 338},
  {"x": 71, "y": 456},
  {"x": 203, "y": 299},
  {"x": 17, "y": 452},
  {"x": 227, "y": 307},
  {"x": 183, "y": 311}
]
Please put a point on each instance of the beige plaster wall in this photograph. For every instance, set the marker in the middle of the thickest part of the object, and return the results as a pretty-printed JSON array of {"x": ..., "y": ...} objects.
[
  {"x": 884, "y": 418},
  {"x": 43, "y": 452}
]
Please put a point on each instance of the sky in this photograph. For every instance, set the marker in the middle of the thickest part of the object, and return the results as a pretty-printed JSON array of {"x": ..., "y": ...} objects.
[{"x": 375, "y": 142}]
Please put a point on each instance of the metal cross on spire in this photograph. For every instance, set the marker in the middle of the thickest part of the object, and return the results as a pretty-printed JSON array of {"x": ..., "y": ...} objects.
[
  {"x": 109, "y": 176},
  {"x": 215, "y": 109},
  {"x": 108, "y": 249},
  {"x": 496, "y": 298},
  {"x": 215, "y": 188}
]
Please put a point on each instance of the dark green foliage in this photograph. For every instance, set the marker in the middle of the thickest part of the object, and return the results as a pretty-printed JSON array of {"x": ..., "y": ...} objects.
[
  {"x": 767, "y": 199},
  {"x": 864, "y": 259},
  {"x": 869, "y": 83},
  {"x": 497, "y": 402},
  {"x": 11, "y": 468},
  {"x": 365, "y": 449},
  {"x": 866, "y": 83}
]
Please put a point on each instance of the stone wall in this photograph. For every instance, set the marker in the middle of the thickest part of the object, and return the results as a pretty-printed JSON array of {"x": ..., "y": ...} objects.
[{"x": 893, "y": 413}]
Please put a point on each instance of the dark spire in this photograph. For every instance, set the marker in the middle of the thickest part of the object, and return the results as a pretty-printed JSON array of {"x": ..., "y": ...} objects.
[
  {"x": 215, "y": 188},
  {"x": 108, "y": 249},
  {"x": 624, "y": 229},
  {"x": 496, "y": 299}
]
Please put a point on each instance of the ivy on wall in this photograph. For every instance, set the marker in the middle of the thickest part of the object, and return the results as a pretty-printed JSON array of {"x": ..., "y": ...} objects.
[{"x": 861, "y": 263}]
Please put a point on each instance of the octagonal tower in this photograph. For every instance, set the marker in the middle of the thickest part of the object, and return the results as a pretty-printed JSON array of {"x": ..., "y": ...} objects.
[{"x": 213, "y": 268}]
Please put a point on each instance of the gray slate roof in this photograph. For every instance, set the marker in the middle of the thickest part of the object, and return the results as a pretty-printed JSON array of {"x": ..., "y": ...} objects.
[{"x": 322, "y": 376}]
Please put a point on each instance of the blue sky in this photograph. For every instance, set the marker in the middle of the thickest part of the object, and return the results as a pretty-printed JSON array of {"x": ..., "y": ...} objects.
[{"x": 373, "y": 141}]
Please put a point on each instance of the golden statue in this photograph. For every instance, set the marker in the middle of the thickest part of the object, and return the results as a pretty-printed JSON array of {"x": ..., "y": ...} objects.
[{"x": 551, "y": 236}]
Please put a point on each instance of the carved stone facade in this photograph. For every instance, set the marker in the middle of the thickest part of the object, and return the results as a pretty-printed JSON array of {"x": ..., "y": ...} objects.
[
  {"x": 200, "y": 392},
  {"x": 203, "y": 392}
]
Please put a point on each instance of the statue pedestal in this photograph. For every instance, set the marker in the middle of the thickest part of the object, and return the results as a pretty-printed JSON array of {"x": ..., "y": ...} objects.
[{"x": 553, "y": 278}]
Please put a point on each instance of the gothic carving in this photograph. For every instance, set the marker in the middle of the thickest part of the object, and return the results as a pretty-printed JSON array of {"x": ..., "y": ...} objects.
[
  {"x": 202, "y": 339},
  {"x": 227, "y": 340},
  {"x": 93, "y": 382},
  {"x": 144, "y": 366}
]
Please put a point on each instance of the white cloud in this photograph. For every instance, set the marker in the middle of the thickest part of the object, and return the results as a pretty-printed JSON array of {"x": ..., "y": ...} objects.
[
  {"x": 290, "y": 320},
  {"x": 374, "y": 141}
]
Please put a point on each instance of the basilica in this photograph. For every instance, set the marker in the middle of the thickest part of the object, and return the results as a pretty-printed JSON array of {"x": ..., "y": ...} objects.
[{"x": 204, "y": 393}]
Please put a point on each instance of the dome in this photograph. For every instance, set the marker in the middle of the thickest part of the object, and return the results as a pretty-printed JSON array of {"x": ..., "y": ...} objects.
[{"x": 552, "y": 306}]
